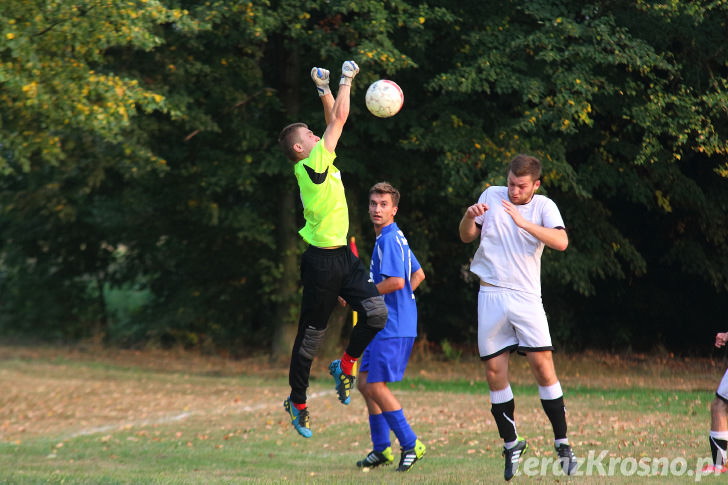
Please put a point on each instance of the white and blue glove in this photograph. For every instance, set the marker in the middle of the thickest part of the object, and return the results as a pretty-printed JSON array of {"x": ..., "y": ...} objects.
[
  {"x": 348, "y": 70},
  {"x": 320, "y": 78}
]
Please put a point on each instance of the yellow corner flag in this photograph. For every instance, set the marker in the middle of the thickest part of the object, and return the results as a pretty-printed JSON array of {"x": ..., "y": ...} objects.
[{"x": 352, "y": 246}]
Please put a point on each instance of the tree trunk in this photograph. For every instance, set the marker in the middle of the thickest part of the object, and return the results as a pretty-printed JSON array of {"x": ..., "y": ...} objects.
[
  {"x": 286, "y": 314},
  {"x": 102, "y": 324}
]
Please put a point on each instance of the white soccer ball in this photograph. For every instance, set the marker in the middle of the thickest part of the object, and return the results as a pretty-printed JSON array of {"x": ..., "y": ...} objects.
[{"x": 384, "y": 98}]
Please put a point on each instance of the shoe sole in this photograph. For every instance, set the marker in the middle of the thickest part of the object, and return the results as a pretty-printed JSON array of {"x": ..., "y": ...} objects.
[{"x": 367, "y": 465}]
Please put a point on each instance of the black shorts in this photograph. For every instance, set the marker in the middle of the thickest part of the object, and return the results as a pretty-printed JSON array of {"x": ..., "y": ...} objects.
[{"x": 327, "y": 274}]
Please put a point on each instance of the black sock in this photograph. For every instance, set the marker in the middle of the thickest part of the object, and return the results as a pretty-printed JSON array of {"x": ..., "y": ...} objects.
[
  {"x": 503, "y": 414},
  {"x": 718, "y": 450},
  {"x": 556, "y": 413}
]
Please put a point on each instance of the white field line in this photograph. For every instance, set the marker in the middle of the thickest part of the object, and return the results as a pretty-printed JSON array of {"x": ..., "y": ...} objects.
[{"x": 182, "y": 416}]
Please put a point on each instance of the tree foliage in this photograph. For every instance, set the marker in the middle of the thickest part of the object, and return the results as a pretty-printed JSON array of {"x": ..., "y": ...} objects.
[{"x": 138, "y": 150}]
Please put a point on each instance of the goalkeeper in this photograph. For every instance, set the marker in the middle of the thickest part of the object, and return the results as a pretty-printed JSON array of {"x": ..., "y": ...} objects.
[{"x": 328, "y": 267}]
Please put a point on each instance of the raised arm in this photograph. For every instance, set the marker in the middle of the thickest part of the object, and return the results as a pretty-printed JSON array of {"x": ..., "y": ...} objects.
[
  {"x": 468, "y": 230},
  {"x": 339, "y": 111},
  {"x": 320, "y": 78}
]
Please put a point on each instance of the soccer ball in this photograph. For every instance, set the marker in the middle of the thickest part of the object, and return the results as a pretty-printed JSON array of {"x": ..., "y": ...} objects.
[{"x": 384, "y": 98}]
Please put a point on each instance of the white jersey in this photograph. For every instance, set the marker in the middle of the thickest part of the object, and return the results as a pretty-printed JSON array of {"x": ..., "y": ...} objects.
[{"x": 508, "y": 256}]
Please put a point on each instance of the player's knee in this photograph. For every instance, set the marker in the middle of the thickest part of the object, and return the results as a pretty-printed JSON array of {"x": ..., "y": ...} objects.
[
  {"x": 719, "y": 406},
  {"x": 543, "y": 368},
  {"x": 311, "y": 343},
  {"x": 376, "y": 311},
  {"x": 496, "y": 371},
  {"x": 493, "y": 374},
  {"x": 361, "y": 384}
]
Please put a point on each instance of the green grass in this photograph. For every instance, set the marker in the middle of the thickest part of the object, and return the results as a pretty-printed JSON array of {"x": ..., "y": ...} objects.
[
  {"x": 65, "y": 419},
  {"x": 649, "y": 400}
]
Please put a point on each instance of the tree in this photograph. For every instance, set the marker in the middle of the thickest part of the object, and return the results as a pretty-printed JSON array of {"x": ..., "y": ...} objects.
[
  {"x": 139, "y": 145},
  {"x": 66, "y": 124},
  {"x": 628, "y": 126}
]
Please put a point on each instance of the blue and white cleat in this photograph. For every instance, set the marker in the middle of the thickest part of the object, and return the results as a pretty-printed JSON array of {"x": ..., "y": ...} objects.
[
  {"x": 299, "y": 418},
  {"x": 344, "y": 382}
]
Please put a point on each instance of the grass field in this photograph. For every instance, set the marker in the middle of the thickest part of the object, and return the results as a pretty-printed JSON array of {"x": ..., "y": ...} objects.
[{"x": 93, "y": 416}]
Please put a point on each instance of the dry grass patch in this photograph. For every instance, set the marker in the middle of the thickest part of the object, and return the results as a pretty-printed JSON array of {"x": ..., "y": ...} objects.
[{"x": 90, "y": 416}]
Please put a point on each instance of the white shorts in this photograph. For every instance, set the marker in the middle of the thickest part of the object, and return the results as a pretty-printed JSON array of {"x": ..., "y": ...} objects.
[
  {"x": 722, "y": 391},
  {"x": 510, "y": 320}
]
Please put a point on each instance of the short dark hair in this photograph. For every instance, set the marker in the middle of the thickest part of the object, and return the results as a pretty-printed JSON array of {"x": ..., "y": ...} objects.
[
  {"x": 386, "y": 188},
  {"x": 288, "y": 138},
  {"x": 525, "y": 165}
]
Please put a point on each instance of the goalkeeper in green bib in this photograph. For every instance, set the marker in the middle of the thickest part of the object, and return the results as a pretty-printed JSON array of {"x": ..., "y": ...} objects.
[{"x": 329, "y": 269}]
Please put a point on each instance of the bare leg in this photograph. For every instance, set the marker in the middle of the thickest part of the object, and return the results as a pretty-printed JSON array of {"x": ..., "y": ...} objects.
[
  {"x": 719, "y": 415},
  {"x": 496, "y": 372},
  {"x": 542, "y": 366}
]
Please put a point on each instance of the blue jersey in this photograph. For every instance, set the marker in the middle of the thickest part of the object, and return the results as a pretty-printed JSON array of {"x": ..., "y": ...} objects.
[{"x": 392, "y": 257}]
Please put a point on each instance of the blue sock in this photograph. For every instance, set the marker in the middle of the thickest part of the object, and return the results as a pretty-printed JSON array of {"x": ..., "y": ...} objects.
[
  {"x": 380, "y": 432},
  {"x": 401, "y": 428}
]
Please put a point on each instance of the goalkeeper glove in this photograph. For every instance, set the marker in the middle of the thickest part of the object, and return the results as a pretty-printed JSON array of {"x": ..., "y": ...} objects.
[
  {"x": 348, "y": 70},
  {"x": 321, "y": 80}
]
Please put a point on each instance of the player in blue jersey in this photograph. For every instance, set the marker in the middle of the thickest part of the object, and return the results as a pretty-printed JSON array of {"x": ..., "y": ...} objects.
[{"x": 396, "y": 273}]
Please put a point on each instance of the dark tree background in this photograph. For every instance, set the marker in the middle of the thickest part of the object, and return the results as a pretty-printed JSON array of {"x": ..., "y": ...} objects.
[{"x": 143, "y": 198}]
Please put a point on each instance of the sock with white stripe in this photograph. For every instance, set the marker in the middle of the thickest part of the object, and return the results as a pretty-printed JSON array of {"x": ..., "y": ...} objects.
[
  {"x": 552, "y": 400},
  {"x": 718, "y": 443},
  {"x": 503, "y": 409}
]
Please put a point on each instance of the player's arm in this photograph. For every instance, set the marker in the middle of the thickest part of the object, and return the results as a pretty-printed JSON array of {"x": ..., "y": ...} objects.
[
  {"x": 390, "y": 285},
  {"x": 328, "y": 102},
  {"x": 417, "y": 278},
  {"x": 320, "y": 78},
  {"x": 469, "y": 230},
  {"x": 555, "y": 238},
  {"x": 720, "y": 339},
  {"x": 340, "y": 109}
]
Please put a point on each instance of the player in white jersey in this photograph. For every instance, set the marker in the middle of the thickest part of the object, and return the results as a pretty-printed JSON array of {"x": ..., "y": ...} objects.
[
  {"x": 514, "y": 224},
  {"x": 719, "y": 419}
]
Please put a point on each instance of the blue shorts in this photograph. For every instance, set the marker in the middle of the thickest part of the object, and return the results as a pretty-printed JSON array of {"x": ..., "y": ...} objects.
[{"x": 385, "y": 359}]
